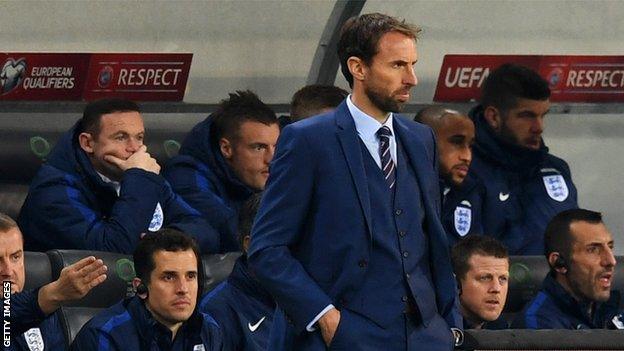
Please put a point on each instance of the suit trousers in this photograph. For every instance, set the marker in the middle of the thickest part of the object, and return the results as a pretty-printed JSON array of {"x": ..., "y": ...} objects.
[{"x": 357, "y": 333}]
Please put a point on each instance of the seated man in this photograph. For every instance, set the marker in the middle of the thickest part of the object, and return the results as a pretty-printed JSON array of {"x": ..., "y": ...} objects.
[
  {"x": 525, "y": 185},
  {"x": 461, "y": 194},
  {"x": 481, "y": 266},
  {"x": 34, "y": 323},
  {"x": 241, "y": 306},
  {"x": 576, "y": 294},
  {"x": 315, "y": 99},
  {"x": 162, "y": 316},
  {"x": 101, "y": 190},
  {"x": 224, "y": 160}
]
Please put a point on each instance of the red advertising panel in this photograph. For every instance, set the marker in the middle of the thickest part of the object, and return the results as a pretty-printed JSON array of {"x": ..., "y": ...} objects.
[
  {"x": 140, "y": 77},
  {"x": 571, "y": 78},
  {"x": 42, "y": 76}
]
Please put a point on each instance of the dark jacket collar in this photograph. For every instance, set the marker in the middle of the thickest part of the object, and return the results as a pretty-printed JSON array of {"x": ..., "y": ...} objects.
[
  {"x": 199, "y": 145},
  {"x": 580, "y": 310},
  {"x": 494, "y": 149},
  {"x": 151, "y": 330},
  {"x": 70, "y": 158}
]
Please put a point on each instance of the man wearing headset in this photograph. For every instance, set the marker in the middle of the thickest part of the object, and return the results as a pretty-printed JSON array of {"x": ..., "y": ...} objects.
[
  {"x": 163, "y": 314},
  {"x": 576, "y": 294},
  {"x": 481, "y": 267}
]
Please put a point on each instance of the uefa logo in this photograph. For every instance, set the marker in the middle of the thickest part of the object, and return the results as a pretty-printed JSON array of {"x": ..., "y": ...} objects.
[
  {"x": 555, "y": 77},
  {"x": 12, "y": 74},
  {"x": 105, "y": 76}
]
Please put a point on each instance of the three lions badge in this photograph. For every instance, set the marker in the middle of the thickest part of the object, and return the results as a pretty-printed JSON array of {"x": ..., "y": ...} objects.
[
  {"x": 463, "y": 218},
  {"x": 555, "y": 184}
]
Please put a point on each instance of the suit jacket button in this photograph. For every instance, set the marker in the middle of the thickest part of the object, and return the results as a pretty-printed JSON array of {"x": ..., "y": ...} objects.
[
  {"x": 404, "y": 298},
  {"x": 405, "y": 254},
  {"x": 362, "y": 263},
  {"x": 398, "y": 212},
  {"x": 402, "y": 233}
]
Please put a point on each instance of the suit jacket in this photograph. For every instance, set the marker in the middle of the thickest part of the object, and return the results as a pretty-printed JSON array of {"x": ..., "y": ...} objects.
[{"x": 313, "y": 225}]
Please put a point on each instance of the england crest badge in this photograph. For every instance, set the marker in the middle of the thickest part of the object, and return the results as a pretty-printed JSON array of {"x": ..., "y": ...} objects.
[
  {"x": 556, "y": 187},
  {"x": 157, "y": 219},
  {"x": 34, "y": 339},
  {"x": 463, "y": 218}
]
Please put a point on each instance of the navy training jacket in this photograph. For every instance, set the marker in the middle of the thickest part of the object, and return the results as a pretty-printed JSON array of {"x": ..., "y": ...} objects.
[
  {"x": 202, "y": 177},
  {"x": 31, "y": 329},
  {"x": 462, "y": 209},
  {"x": 554, "y": 308},
  {"x": 524, "y": 189},
  {"x": 128, "y": 325},
  {"x": 69, "y": 206},
  {"x": 242, "y": 308}
]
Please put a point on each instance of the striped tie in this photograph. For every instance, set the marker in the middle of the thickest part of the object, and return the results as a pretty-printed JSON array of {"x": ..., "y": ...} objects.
[{"x": 387, "y": 165}]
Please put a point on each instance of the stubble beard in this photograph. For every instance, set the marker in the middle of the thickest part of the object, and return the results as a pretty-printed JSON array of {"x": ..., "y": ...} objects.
[{"x": 384, "y": 103}]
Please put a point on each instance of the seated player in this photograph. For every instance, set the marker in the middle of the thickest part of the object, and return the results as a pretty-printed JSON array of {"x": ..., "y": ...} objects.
[
  {"x": 100, "y": 189},
  {"x": 224, "y": 160},
  {"x": 576, "y": 294},
  {"x": 481, "y": 266},
  {"x": 315, "y": 99},
  {"x": 241, "y": 306},
  {"x": 525, "y": 185},
  {"x": 163, "y": 314},
  {"x": 34, "y": 322},
  {"x": 461, "y": 194}
]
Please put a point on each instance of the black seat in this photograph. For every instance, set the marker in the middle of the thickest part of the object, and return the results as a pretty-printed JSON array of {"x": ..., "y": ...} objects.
[
  {"x": 117, "y": 286},
  {"x": 217, "y": 268},
  {"x": 526, "y": 274},
  {"x": 73, "y": 318},
  {"x": 38, "y": 269}
]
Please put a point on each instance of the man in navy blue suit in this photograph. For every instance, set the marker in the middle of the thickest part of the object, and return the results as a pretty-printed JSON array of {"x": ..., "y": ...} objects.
[{"x": 348, "y": 237}]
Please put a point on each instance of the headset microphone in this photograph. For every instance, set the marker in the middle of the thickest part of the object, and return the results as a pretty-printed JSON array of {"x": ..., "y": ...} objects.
[{"x": 141, "y": 289}]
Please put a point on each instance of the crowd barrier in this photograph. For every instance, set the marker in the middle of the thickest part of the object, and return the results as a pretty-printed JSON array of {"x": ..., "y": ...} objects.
[{"x": 552, "y": 340}]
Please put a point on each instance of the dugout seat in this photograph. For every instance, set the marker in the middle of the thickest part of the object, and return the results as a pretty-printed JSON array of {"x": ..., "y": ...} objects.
[
  {"x": 73, "y": 318},
  {"x": 38, "y": 269},
  {"x": 118, "y": 283},
  {"x": 217, "y": 268}
]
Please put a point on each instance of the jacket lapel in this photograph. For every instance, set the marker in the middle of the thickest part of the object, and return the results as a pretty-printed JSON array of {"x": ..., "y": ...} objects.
[
  {"x": 419, "y": 160},
  {"x": 350, "y": 144}
]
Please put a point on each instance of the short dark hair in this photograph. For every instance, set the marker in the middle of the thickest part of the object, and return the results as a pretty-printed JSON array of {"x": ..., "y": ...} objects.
[
  {"x": 360, "y": 36},
  {"x": 475, "y": 245},
  {"x": 6, "y": 223},
  {"x": 166, "y": 239},
  {"x": 311, "y": 99},
  {"x": 507, "y": 83},
  {"x": 242, "y": 106},
  {"x": 93, "y": 112},
  {"x": 247, "y": 215},
  {"x": 557, "y": 236}
]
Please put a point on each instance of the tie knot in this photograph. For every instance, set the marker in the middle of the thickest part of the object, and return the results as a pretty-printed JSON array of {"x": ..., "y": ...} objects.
[{"x": 384, "y": 132}]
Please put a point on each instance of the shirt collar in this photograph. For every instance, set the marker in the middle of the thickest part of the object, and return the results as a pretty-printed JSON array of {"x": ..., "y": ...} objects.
[
  {"x": 366, "y": 125},
  {"x": 113, "y": 183}
]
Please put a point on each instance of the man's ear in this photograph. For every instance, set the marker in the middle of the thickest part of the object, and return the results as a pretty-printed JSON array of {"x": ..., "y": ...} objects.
[
  {"x": 493, "y": 117},
  {"x": 86, "y": 141},
  {"x": 556, "y": 262},
  {"x": 357, "y": 67},
  {"x": 226, "y": 148}
]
